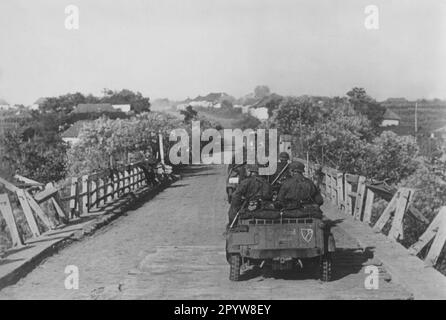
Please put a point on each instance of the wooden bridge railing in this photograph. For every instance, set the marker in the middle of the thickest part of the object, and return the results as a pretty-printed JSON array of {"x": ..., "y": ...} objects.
[
  {"x": 78, "y": 197},
  {"x": 354, "y": 195}
]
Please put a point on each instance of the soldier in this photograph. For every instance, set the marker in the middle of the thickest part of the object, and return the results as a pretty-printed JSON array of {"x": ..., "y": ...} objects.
[
  {"x": 238, "y": 168},
  {"x": 284, "y": 157},
  {"x": 253, "y": 189},
  {"x": 298, "y": 190}
]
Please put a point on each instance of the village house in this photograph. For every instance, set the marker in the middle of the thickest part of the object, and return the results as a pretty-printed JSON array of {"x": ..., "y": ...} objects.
[
  {"x": 71, "y": 135},
  {"x": 5, "y": 105},
  {"x": 390, "y": 118},
  {"x": 36, "y": 105}
]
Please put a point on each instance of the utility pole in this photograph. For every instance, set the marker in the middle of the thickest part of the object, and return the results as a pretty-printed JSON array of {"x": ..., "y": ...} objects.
[
  {"x": 416, "y": 118},
  {"x": 300, "y": 131}
]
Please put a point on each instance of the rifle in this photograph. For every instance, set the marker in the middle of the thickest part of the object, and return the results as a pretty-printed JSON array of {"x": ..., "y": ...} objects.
[
  {"x": 280, "y": 174},
  {"x": 238, "y": 212}
]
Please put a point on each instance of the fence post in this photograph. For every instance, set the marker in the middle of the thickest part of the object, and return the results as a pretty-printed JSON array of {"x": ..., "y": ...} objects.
[
  {"x": 6, "y": 211},
  {"x": 126, "y": 181},
  {"x": 28, "y": 213},
  {"x": 370, "y": 197},
  {"x": 38, "y": 210},
  {"x": 360, "y": 194},
  {"x": 385, "y": 216},
  {"x": 328, "y": 184},
  {"x": 101, "y": 191},
  {"x": 85, "y": 194},
  {"x": 347, "y": 195},
  {"x": 74, "y": 194},
  {"x": 93, "y": 192},
  {"x": 333, "y": 187},
  {"x": 340, "y": 190},
  {"x": 437, "y": 230},
  {"x": 438, "y": 244},
  {"x": 111, "y": 186},
  {"x": 404, "y": 200}
]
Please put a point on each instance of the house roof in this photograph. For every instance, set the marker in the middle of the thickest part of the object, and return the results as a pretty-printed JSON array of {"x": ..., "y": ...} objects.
[
  {"x": 390, "y": 115},
  {"x": 213, "y": 97},
  {"x": 40, "y": 101},
  {"x": 75, "y": 129},
  {"x": 3, "y": 102},
  {"x": 265, "y": 101},
  {"x": 94, "y": 107}
]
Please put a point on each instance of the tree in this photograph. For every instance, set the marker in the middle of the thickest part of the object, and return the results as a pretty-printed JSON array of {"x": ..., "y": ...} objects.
[
  {"x": 189, "y": 114},
  {"x": 136, "y": 100},
  {"x": 367, "y": 106},
  {"x": 35, "y": 150},
  {"x": 261, "y": 92},
  {"x": 226, "y": 104},
  {"x": 64, "y": 104},
  {"x": 391, "y": 157},
  {"x": 105, "y": 138}
]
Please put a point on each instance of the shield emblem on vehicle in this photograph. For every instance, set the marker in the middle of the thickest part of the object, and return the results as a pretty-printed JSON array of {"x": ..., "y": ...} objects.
[{"x": 307, "y": 234}]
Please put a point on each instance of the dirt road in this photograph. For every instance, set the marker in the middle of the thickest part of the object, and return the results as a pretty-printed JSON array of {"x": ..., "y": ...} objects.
[{"x": 172, "y": 247}]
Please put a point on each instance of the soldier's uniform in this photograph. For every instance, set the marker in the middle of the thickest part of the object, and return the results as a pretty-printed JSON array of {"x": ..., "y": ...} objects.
[
  {"x": 250, "y": 189},
  {"x": 281, "y": 164},
  {"x": 298, "y": 190},
  {"x": 240, "y": 168}
]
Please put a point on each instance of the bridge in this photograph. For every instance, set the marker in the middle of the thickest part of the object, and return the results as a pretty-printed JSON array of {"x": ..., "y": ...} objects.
[{"x": 142, "y": 233}]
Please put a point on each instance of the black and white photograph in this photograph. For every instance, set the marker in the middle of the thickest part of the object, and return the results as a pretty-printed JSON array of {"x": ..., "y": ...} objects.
[{"x": 222, "y": 156}]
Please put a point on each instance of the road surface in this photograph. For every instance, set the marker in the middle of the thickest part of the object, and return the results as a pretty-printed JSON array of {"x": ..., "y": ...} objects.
[{"x": 172, "y": 247}]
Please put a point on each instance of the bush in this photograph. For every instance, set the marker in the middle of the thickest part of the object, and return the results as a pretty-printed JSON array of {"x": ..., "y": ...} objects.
[
  {"x": 34, "y": 150},
  {"x": 105, "y": 138},
  {"x": 390, "y": 157}
]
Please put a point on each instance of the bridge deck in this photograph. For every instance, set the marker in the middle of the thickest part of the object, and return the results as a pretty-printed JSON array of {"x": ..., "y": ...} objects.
[
  {"x": 423, "y": 282},
  {"x": 172, "y": 248}
]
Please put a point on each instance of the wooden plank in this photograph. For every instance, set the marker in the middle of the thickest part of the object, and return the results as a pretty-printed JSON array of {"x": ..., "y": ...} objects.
[
  {"x": 101, "y": 191},
  {"x": 385, "y": 216},
  {"x": 347, "y": 197},
  {"x": 440, "y": 239},
  {"x": 352, "y": 178},
  {"x": 28, "y": 181},
  {"x": 110, "y": 188},
  {"x": 93, "y": 193},
  {"x": 429, "y": 234},
  {"x": 126, "y": 181},
  {"x": 417, "y": 214},
  {"x": 74, "y": 202},
  {"x": 46, "y": 194},
  {"x": 6, "y": 211},
  {"x": 396, "y": 231},
  {"x": 8, "y": 185},
  {"x": 328, "y": 185},
  {"x": 39, "y": 212},
  {"x": 28, "y": 213},
  {"x": 360, "y": 195},
  {"x": 370, "y": 197},
  {"x": 57, "y": 206},
  {"x": 84, "y": 184},
  {"x": 334, "y": 191},
  {"x": 340, "y": 190}
]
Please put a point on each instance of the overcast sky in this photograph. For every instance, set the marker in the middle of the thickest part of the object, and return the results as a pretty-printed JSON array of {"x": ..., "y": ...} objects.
[{"x": 178, "y": 48}]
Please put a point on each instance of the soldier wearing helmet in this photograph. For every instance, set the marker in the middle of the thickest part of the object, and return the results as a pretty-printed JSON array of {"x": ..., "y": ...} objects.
[
  {"x": 253, "y": 189},
  {"x": 281, "y": 173},
  {"x": 298, "y": 190}
]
